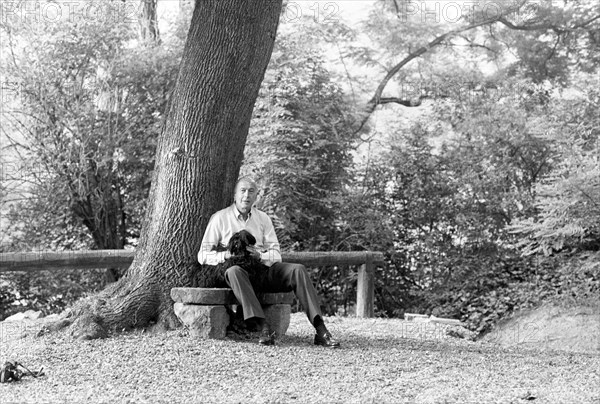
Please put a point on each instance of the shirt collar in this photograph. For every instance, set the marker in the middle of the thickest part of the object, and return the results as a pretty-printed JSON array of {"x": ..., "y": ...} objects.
[{"x": 238, "y": 214}]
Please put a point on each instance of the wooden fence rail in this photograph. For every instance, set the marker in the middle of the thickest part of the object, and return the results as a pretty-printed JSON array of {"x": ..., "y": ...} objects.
[{"x": 50, "y": 260}]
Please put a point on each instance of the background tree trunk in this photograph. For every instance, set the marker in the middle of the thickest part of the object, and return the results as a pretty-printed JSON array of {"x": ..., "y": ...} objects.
[
  {"x": 101, "y": 210},
  {"x": 198, "y": 158},
  {"x": 148, "y": 22}
]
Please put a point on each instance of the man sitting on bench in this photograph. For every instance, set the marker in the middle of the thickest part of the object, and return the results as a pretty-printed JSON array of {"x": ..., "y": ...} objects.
[{"x": 281, "y": 277}]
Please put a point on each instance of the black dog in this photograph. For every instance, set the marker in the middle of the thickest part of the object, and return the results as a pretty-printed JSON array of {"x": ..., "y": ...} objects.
[
  {"x": 240, "y": 256},
  {"x": 213, "y": 276}
]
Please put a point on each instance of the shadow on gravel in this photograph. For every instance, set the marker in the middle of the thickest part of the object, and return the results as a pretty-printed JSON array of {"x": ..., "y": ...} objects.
[{"x": 352, "y": 342}]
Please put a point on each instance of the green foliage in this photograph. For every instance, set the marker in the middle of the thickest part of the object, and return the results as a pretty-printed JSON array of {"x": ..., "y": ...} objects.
[
  {"x": 485, "y": 289},
  {"x": 461, "y": 192},
  {"x": 568, "y": 215},
  {"x": 555, "y": 53},
  {"x": 44, "y": 223},
  {"x": 479, "y": 290},
  {"x": 500, "y": 148},
  {"x": 446, "y": 190},
  {"x": 299, "y": 148},
  {"x": 46, "y": 291},
  {"x": 88, "y": 113}
]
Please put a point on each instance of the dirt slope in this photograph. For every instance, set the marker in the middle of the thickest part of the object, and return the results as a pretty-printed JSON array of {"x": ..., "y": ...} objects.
[{"x": 572, "y": 329}]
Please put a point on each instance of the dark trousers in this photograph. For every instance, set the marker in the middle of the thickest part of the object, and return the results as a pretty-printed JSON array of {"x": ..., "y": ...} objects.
[{"x": 282, "y": 277}]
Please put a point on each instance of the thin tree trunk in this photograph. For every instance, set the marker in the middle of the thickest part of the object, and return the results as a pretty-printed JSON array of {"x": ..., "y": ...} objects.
[
  {"x": 186, "y": 5},
  {"x": 102, "y": 212},
  {"x": 198, "y": 159},
  {"x": 148, "y": 22}
]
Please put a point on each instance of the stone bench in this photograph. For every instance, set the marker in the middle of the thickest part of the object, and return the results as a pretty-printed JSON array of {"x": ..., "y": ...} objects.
[{"x": 204, "y": 310}]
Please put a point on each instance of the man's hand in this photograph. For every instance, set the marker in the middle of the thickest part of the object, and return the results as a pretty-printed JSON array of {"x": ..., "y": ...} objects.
[{"x": 253, "y": 251}]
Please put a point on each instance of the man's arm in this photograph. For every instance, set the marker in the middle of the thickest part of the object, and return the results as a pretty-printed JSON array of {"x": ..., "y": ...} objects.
[
  {"x": 271, "y": 244},
  {"x": 212, "y": 238}
]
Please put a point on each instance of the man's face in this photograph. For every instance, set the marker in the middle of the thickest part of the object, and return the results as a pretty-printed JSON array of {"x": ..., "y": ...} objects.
[{"x": 245, "y": 196}]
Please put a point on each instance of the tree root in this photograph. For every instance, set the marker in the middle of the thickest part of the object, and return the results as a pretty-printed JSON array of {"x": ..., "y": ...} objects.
[
  {"x": 53, "y": 327},
  {"x": 88, "y": 326},
  {"x": 122, "y": 306}
]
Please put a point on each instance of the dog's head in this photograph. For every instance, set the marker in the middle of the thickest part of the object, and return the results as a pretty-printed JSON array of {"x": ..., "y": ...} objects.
[{"x": 239, "y": 241}]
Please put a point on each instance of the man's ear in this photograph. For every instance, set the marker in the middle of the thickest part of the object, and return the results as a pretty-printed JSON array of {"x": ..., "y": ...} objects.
[
  {"x": 251, "y": 239},
  {"x": 231, "y": 241}
]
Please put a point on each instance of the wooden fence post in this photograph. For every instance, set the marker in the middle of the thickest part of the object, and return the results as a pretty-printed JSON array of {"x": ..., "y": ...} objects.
[{"x": 365, "y": 289}]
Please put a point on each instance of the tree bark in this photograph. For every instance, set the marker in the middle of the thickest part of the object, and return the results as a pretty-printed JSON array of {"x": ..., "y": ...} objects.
[{"x": 198, "y": 158}]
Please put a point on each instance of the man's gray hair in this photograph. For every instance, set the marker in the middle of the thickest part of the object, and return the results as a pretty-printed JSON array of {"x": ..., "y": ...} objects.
[{"x": 245, "y": 178}]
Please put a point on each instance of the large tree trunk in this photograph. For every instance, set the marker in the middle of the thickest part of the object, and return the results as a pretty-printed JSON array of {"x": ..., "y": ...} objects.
[{"x": 197, "y": 160}]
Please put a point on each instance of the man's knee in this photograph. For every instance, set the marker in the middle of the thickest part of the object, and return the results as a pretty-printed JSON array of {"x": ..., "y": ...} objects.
[
  {"x": 234, "y": 272},
  {"x": 300, "y": 267},
  {"x": 299, "y": 270}
]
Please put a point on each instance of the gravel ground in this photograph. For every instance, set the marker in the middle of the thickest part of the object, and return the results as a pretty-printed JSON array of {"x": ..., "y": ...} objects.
[{"x": 381, "y": 361}]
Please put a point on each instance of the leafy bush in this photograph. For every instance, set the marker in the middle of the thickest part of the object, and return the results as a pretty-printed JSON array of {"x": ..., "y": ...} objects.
[
  {"x": 568, "y": 214},
  {"x": 89, "y": 110},
  {"x": 486, "y": 289},
  {"x": 46, "y": 291},
  {"x": 298, "y": 148},
  {"x": 336, "y": 287}
]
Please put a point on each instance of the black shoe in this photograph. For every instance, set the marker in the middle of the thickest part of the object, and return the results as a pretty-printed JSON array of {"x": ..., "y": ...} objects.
[
  {"x": 325, "y": 339},
  {"x": 266, "y": 336}
]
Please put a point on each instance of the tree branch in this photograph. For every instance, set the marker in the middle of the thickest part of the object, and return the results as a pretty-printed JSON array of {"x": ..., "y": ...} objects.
[
  {"x": 473, "y": 44},
  {"x": 553, "y": 27},
  {"x": 377, "y": 98},
  {"x": 406, "y": 103},
  {"x": 525, "y": 27}
]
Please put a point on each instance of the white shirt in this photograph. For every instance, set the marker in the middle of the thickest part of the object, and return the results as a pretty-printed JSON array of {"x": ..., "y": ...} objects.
[{"x": 224, "y": 223}]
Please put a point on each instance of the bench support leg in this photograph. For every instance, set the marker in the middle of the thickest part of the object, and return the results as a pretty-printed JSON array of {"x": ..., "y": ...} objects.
[
  {"x": 278, "y": 317},
  {"x": 203, "y": 321}
]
